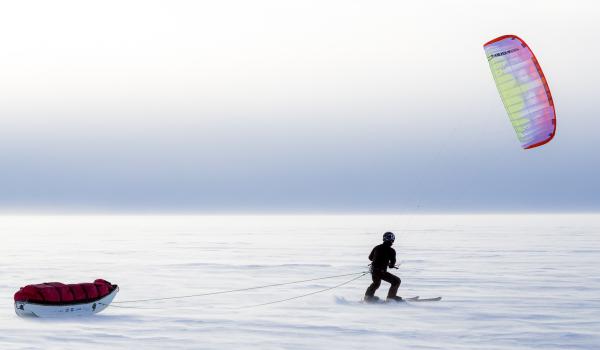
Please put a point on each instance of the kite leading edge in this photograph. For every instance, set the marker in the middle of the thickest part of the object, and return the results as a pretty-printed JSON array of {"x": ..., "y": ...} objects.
[{"x": 523, "y": 89}]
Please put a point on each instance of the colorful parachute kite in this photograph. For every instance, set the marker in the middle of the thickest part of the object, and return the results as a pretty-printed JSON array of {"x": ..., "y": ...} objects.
[{"x": 523, "y": 89}]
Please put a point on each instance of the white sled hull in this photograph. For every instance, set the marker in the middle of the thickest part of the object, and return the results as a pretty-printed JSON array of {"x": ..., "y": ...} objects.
[{"x": 26, "y": 309}]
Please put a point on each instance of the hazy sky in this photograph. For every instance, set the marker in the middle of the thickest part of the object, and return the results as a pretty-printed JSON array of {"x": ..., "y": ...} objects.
[{"x": 289, "y": 106}]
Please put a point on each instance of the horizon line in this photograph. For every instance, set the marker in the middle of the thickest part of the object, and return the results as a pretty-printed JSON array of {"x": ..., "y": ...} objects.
[{"x": 289, "y": 213}]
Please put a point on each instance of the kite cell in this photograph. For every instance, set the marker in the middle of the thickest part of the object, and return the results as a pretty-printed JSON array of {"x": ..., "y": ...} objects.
[{"x": 523, "y": 89}]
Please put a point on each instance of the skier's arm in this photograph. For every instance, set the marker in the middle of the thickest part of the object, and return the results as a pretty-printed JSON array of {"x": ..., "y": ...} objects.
[
  {"x": 372, "y": 254},
  {"x": 392, "y": 259}
]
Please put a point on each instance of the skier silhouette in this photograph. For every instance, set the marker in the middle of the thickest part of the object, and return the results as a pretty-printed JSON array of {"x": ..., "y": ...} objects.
[{"x": 382, "y": 257}]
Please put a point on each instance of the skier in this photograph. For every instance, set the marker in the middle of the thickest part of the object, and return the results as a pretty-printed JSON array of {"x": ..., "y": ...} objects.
[{"x": 382, "y": 257}]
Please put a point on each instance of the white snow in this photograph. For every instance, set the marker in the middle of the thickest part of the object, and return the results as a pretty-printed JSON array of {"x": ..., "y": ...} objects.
[{"x": 508, "y": 281}]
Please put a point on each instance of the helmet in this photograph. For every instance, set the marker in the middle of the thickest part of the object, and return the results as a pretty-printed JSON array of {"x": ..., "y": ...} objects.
[{"x": 389, "y": 237}]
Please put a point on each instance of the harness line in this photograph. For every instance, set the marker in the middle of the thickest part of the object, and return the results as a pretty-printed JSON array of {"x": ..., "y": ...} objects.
[
  {"x": 303, "y": 295},
  {"x": 241, "y": 290}
]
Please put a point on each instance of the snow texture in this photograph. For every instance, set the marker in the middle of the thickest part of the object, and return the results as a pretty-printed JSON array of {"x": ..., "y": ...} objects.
[{"x": 508, "y": 281}]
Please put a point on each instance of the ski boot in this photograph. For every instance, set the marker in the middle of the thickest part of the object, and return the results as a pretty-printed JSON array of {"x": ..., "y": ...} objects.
[
  {"x": 371, "y": 299},
  {"x": 394, "y": 298}
]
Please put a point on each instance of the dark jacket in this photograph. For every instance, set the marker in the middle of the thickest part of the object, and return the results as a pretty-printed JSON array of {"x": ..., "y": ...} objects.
[{"x": 382, "y": 257}]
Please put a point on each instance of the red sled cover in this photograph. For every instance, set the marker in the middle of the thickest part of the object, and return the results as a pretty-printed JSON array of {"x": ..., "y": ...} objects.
[{"x": 59, "y": 293}]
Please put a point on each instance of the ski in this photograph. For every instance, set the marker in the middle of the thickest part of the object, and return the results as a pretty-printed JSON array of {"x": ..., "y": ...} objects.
[
  {"x": 383, "y": 301},
  {"x": 416, "y": 299},
  {"x": 425, "y": 299}
]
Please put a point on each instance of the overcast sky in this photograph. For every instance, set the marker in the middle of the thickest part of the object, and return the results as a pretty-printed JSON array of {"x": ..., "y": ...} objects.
[{"x": 308, "y": 106}]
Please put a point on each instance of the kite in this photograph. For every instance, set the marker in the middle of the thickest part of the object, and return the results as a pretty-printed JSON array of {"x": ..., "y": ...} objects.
[{"x": 523, "y": 89}]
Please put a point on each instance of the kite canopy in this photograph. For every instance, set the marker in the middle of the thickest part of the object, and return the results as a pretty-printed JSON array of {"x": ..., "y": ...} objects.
[{"x": 523, "y": 89}]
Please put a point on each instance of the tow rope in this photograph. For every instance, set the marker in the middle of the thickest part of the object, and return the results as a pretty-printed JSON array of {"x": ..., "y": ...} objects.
[{"x": 360, "y": 274}]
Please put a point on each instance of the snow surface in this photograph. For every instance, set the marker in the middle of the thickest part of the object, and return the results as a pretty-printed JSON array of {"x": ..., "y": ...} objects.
[{"x": 508, "y": 281}]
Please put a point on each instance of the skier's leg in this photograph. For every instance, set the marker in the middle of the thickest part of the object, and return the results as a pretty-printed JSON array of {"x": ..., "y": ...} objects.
[
  {"x": 394, "y": 281},
  {"x": 373, "y": 287}
]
